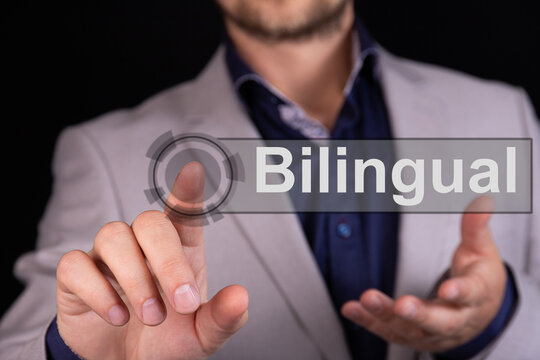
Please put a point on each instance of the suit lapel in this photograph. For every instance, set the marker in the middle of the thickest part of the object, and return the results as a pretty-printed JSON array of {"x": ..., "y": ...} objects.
[
  {"x": 277, "y": 240},
  {"x": 279, "y": 243}
]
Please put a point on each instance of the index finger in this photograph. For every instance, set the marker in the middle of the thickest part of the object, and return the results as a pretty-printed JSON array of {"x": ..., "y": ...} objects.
[{"x": 185, "y": 204}]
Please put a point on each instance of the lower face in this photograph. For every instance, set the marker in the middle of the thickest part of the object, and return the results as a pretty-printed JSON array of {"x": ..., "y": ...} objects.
[{"x": 280, "y": 19}]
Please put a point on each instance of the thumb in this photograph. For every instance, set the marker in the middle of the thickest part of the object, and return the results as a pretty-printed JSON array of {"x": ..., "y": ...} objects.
[
  {"x": 221, "y": 317},
  {"x": 475, "y": 232}
]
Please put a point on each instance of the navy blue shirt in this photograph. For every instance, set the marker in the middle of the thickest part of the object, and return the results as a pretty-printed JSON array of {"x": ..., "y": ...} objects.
[{"x": 354, "y": 251}]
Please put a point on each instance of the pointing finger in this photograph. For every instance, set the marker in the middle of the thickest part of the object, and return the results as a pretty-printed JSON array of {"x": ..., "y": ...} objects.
[
  {"x": 187, "y": 198},
  {"x": 185, "y": 202}
]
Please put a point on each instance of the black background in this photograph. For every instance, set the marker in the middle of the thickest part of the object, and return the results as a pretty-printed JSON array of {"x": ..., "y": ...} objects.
[{"x": 65, "y": 62}]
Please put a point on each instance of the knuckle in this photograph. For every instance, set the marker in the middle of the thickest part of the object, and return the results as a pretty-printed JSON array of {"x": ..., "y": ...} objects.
[
  {"x": 110, "y": 232},
  {"x": 406, "y": 299},
  {"x": 153, "y": 220},
  {"x": 402, "y": 303},
  {"x": 69, "y": 261},
  {"x": 149, "y": 218},
  {"x": 115, "y": 227}
]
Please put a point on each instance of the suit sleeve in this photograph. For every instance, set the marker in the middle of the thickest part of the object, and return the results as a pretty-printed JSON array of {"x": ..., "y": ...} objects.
[
  {"x": 82, "y": 201},
  {"x": 519, "y": 338}
]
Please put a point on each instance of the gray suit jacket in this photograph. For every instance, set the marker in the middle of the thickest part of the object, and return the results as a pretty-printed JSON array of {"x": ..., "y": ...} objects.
[{"x": 100, "y": 173}]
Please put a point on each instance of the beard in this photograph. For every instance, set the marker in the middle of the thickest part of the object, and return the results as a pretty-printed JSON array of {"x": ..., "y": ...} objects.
[{"x": 317, "y": 18}]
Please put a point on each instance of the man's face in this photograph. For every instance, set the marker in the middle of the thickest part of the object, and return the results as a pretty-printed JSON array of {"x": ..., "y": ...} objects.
[{"x": 284, "y": 19}]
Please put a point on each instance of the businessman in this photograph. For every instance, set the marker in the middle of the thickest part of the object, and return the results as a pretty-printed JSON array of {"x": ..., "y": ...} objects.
[{"x": 113, "y": 277}]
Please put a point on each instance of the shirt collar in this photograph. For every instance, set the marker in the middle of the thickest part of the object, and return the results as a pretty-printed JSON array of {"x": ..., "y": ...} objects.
[
  {"x": 363, "y": 46},
  {"x": 291, "y": 113}
]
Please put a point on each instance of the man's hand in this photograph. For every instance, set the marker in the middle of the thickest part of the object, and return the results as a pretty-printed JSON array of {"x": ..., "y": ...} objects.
[
  {"x": 465, "y": 304},
  {"x": 141, "y": 292}
]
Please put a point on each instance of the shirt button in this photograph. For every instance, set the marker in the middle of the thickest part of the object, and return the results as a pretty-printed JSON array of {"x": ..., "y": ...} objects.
[{"x": 344, "y": 230}]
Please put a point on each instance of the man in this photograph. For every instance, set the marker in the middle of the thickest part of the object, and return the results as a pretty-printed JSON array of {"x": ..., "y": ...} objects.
[{"x": 142, "y": 290}]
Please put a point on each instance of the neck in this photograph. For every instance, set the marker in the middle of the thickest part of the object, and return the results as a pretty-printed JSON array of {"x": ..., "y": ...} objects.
[{"x": 312, "y": 72}]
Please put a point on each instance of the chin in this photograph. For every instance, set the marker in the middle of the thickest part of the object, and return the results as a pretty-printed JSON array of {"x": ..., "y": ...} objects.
[{"x": 278, "y": 16}]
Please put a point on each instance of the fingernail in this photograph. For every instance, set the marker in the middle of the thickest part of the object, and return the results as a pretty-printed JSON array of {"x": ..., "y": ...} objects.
[
  {"x": 409, "y": 311},
  {"x": 374, "y": 304},
  {"x": 117, "y": 315},
  {"x": 186, "y": 299},
  {"x": 152, "y": 312}
]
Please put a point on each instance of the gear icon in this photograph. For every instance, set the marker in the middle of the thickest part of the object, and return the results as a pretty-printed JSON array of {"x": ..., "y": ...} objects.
[{"x": 168, "y": 154}]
